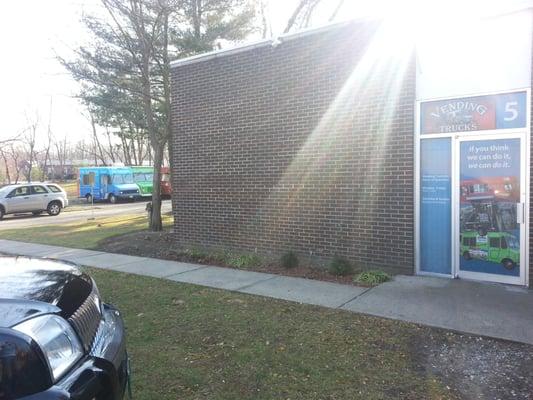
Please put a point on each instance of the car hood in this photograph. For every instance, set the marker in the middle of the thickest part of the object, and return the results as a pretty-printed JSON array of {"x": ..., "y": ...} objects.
[
  {"x": 146, "y": 187},
  {"x": 127, "y": 186},
  {"x": 34, "y": 286}
]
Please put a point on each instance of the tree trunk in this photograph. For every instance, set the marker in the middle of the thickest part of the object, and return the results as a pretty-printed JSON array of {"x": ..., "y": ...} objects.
[
  {"x": 156, "y": 141},
  {"x": 134, "y": 151},
  {"x": 110, "y": 144},
  {"x": 99, "y": 153},
  {"x": 197, "y": 20},
  {"x": 336, "y": 11},
  {"x": 166, "y": 86},
  {"x": 156, "y": 223}
]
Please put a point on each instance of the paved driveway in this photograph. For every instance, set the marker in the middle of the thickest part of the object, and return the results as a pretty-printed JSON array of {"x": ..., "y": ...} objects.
[{"x": 81, "y": 213}]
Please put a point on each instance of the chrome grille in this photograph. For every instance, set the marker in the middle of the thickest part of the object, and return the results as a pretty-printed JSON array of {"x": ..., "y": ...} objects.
[{"x": 86, "y": 319}]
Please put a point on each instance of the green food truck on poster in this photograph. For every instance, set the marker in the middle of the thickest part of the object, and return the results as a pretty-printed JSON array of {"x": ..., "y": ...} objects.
[
  {"x": 496, "y": 247},
  {"x": 144, "y": 178}
]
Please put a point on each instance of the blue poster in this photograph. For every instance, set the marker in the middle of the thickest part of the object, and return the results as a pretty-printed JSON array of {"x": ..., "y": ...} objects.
[
  {"x": 490, "y": 192},
  {"x": 435, "y": 206}
]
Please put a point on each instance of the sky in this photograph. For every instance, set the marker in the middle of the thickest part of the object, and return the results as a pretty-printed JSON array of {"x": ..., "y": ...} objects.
[{"x": 34, "y": 85}]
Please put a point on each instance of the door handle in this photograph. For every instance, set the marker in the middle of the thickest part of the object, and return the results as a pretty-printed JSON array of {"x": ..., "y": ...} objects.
[{"x": 520, "y": 213}]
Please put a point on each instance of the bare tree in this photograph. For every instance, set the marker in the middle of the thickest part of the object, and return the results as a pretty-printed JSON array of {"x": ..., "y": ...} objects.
[
  {"x": 98, "y": 150},
  {"x": 5, "y": 155},
  {"x": 46, "y": 158},
  {"x": 266, "y": 27},
  {"x": 336, "y": 10},
  {"x": 15, "y": 153},
  {"x": 5, "y": 159},
  {"x": 304, "y": 11},
  {"x": 29, "y": 141},
  {"x": 61, "y": 156},
  {"x": 301, "y": 15},
  {"x": 110, "y": 145}
]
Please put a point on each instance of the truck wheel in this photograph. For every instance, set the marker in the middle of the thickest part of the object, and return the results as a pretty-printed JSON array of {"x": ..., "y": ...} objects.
[
  {"x": 54, "y": 208},
  {"x": 466, "y": 255},
  {"x": 89, "y": 198},
  {"x": 112, "y": 198},
  {"x": 508, "y": 264}
]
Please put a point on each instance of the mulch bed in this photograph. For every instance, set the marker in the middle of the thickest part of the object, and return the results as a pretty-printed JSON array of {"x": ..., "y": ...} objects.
[{"x": 161, "y": 245}]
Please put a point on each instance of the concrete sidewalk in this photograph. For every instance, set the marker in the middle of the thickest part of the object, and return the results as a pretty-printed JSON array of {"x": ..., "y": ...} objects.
[{"x": 499, "y": 311}]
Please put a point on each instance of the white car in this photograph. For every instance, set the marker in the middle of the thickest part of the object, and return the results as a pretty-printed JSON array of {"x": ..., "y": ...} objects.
[{"x": 32, "y": 197}]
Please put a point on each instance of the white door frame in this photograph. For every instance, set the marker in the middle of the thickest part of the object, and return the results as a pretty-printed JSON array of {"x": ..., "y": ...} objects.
[{"x": 524, "y": 190}]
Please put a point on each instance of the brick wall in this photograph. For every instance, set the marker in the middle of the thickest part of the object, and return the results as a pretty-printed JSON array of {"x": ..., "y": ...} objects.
[{"x": 306, "y": 146}]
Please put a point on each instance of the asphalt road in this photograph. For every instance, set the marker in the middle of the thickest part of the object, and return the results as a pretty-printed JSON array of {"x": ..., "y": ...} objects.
[{"x": 78, "y": 213}]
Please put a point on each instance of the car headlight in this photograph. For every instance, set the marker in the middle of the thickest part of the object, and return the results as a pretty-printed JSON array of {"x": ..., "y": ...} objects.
[{"x": 57, "y": 340}]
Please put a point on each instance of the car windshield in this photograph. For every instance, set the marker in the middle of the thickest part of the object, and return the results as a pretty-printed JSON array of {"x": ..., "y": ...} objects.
[
  {"x": 138, "y": 177},
  {"x": 122, "y": 178}
]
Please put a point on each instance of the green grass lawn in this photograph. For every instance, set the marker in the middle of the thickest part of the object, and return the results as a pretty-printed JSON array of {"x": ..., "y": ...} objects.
[
  {"x": 82, "y": 235},
  {"x": 188, "y": 342}
]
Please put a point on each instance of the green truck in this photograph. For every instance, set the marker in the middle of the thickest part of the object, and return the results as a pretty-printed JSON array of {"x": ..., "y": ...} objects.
[
  {"x": 144, "y": 178},
  {"x": 496, "y": 247}
]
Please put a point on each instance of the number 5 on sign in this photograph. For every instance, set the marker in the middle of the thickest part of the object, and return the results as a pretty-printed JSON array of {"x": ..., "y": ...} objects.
[{"x": 511, "y": 110}]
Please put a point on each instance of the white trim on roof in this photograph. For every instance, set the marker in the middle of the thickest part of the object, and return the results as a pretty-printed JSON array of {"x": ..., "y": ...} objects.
[
  {"x": 523, "y": 5},
  {"x": 261, "y": 43}
]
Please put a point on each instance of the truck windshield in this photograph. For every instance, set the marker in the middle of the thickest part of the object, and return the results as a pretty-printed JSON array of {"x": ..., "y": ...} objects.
[
  {"x": 512, "y": 242},
  {"x": 122, "y": 178},
  {"x": 143, "y": 177}
]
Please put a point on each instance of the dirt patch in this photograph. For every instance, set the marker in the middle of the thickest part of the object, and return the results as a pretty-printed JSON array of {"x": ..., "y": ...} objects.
[
  {"x": 161, "y": 245},
  {"x": 475, "y": 367}
]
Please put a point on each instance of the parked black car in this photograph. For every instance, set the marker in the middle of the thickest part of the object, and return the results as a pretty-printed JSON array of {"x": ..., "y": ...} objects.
[{"x": 57, "y": 339}]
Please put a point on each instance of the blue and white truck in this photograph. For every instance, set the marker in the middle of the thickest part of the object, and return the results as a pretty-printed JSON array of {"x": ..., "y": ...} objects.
[{"x": 107, "y": 184}]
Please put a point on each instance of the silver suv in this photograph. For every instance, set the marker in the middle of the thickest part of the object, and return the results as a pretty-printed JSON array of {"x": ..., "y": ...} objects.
[{"x": 34, "y": 198}]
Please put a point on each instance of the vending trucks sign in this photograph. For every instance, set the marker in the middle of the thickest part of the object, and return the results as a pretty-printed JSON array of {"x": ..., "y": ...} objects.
[{"x": 479, "y": 113}]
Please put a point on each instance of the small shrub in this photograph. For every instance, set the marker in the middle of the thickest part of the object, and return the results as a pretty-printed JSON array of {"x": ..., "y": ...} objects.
[
  {"x": 372, "y": 278},
  {"x": 243, "y": 260},
  {"x": 195, "y": 254},
  {"x": 340, "y": 267},
  {"x": 289, "y": 260}
]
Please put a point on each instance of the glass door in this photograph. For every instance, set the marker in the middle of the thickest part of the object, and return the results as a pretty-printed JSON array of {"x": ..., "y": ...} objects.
[{"x": 490, "y": 235}]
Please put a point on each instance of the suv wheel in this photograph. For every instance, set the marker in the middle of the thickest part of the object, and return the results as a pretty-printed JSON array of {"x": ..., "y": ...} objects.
[
  {"x": 112, "y": 198},
  {"x": 54, "y": 208}
]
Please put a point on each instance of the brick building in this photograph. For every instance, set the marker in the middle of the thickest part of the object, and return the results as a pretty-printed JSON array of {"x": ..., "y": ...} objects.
[{"x": 324, "y": 142}]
